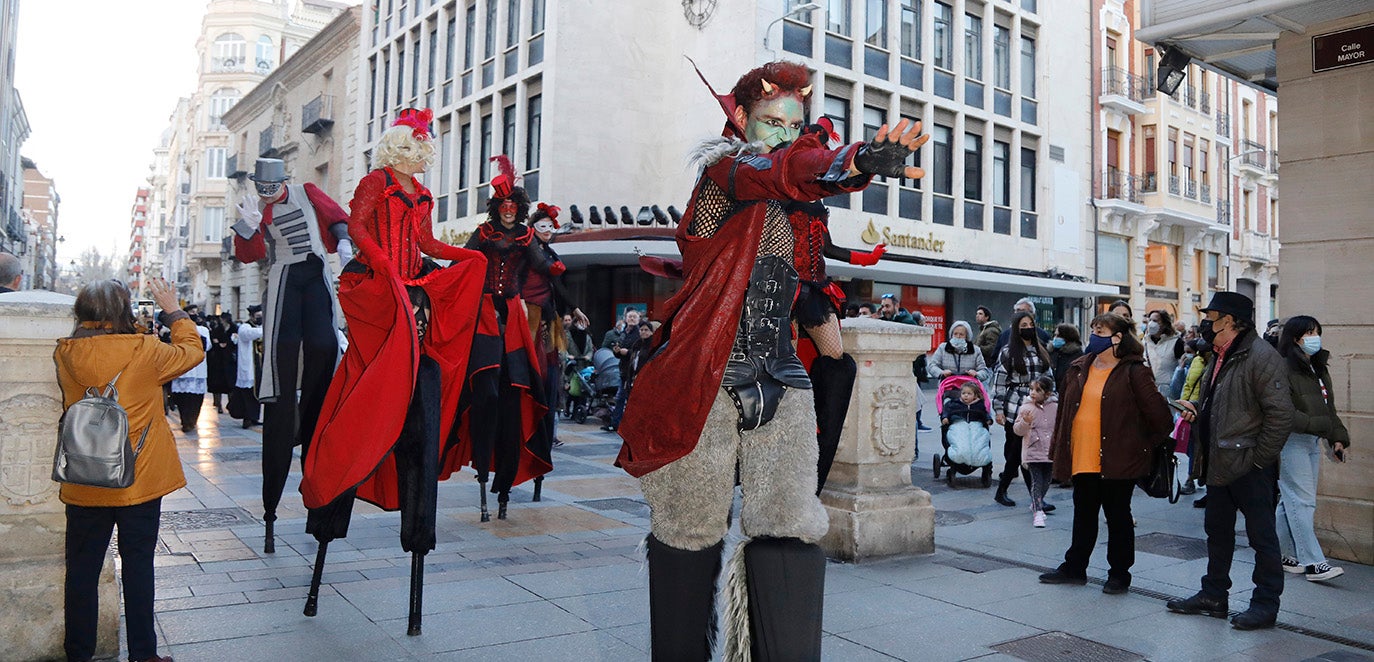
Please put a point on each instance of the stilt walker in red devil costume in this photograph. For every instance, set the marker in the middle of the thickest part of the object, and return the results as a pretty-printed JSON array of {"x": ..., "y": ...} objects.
[
  {"x": 724, "y": 357},
  {"x": 386, "y": 421},
  {"x": 500, "y": 422},
  {"x": 546, "y": 302}
]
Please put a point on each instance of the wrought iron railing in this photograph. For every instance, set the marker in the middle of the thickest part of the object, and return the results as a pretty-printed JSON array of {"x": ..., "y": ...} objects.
[
  {"x": 1224, "y": 124},
  {"x": 1205, "y": 102},
  {"x": 1119, "y": 81},
  {"x": 1190, "y": 190},
  {"x": 1173, "y": 184},
  {"x": 1118, "y": 185},
  {"x": 1224, "y": 212},
  {"x": 1253, "y": 154},
  {"x": 1206, "y": 192},
  {"x": 222, "y": 64},
  {"x": 1190, "y": 96},
  {"x": 318, "y": 115},
  {"x": 1274, "y": 161},
  {"x": 1149, "y": 182}
]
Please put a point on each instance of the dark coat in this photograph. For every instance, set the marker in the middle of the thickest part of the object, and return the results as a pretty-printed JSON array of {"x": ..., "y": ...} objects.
[
  {"x": 1135, "y": 418},
  {"x": 1060, "y": 360},
  {"x": 1247, "y": 412},
  {"x": 221, "y": 360},
  {"x": 1313, "y": 413}
]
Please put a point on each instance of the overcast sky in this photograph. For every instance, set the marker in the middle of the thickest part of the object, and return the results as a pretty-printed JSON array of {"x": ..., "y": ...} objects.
[{"x": 99, "y": 80}]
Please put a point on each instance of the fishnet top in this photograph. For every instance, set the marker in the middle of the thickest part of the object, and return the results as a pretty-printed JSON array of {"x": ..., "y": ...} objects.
[{"x": 714, "y": 207}]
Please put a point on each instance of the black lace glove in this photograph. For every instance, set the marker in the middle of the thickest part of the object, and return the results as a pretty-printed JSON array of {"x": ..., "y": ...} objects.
[{"x": 882, "y": 158}]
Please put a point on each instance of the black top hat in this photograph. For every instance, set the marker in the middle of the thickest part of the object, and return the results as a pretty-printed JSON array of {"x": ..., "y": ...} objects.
[
  {"x": 1234, "y": 304},
  {"x": 269, "y": 170}
]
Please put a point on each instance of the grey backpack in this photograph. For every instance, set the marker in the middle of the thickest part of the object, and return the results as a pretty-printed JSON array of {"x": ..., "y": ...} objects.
[{"x": 93, "y": 441}]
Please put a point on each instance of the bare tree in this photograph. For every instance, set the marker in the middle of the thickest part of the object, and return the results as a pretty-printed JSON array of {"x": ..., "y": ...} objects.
[{"x": 90, "y": 267}]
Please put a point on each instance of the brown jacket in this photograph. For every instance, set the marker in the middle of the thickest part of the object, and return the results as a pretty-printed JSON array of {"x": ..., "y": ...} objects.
[
  {"x": 1135, "y": 418},
  {"x": 92, "y": 361}
]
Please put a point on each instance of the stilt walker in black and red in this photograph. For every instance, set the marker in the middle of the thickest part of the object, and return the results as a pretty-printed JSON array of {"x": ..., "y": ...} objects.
[
  {"x": 505, "y": 400},
  {"x": 387, "y": 418}
]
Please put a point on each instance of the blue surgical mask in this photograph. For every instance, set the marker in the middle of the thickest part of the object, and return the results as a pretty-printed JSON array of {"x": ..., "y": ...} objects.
[
  {"x": 1098, "y": 344},
  {"x": 959, "y": 344},
  {"x": 1311, "y": 344},
  {"x": 1057, "y": 343}
]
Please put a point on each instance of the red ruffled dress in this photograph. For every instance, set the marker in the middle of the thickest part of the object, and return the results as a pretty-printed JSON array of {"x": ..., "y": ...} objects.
[{"x": 367, "y": 403}]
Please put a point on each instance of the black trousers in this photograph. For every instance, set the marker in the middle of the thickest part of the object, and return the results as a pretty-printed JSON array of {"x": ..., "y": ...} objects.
[
  {"x": 1092, "y": 494},
  {"x": 188, "y": 408},
  {"x": 247, "y": 399},
  {"x": 305, "y": 339},
  {"x": 88, "y": 536},
  {"x": 1253, "y": 496},
  {"x": 1011, "y": 453}
]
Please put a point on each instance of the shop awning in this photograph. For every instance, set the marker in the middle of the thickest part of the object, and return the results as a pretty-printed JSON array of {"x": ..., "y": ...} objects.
[{"x": 620, "y": 253}]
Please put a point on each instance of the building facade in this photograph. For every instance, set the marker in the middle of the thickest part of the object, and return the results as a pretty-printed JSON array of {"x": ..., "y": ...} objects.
[
  {"x": 140, "y": 242},
  {"x": 40, "y": 223},
  {"x": 298, "y": 107},
  {"x": 241, "y": 43},
  {"x": 606, "y": 129},
  {"x": 14, "y": 130},
  {"x": 1185, "y": 189}
]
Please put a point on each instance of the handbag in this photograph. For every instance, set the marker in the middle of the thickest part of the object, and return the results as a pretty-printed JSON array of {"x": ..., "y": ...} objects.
[
  {"x": 93, "y": 441},
  {"x": 1159, "y": 482}
]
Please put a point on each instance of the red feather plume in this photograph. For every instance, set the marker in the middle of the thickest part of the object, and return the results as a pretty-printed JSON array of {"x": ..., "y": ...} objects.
[{"x": 503, "y": 183}]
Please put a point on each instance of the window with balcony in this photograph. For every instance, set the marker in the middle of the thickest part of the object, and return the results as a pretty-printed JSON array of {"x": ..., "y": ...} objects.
[
  {"x": 1190, "y": 181},
  {"x": 1150, "y": 184},
  {"x": 266, "y": 55},
  {"x": 230, "y": 52},
  {"x": 1204, "y": 154},
  {"x": 1173, "y": 161}
]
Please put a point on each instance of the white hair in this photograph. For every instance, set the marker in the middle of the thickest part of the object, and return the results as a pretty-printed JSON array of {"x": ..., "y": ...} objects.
[
  {"x": 1025, "y": 300},
  {"x": 399, "y": 145},
  {"x": 967, "y": 329}
]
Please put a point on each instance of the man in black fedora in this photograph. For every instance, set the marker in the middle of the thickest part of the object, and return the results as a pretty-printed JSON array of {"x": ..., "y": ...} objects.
[
  {"x": 292, "y": 227},
  {"x": 1241, "y": 418}
]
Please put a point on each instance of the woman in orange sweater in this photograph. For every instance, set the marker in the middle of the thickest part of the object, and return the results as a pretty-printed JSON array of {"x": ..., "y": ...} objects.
[
  {"x": 106, "y": 343},
  {"x": 1110, "y": 416}
]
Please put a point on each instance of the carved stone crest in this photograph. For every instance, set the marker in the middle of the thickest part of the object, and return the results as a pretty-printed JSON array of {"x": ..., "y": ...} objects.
[
  {"x": 28, "y": 435},
  {"x": 893, "y": 417}
]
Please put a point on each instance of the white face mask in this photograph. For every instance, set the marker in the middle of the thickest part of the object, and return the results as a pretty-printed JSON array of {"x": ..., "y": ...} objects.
[{"x": 545, "y": 227}]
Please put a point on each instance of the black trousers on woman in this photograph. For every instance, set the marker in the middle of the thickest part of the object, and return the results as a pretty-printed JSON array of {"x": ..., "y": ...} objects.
[
  {"x": 188, "y": 408},
  {"x": 1092, "y": 494},
  {"x": 1011, "y": 453},
  {"x": 88, "y": 536}
]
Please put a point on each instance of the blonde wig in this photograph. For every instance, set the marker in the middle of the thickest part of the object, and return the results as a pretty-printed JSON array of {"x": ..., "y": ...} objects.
[{"x": 399, "y": 145}]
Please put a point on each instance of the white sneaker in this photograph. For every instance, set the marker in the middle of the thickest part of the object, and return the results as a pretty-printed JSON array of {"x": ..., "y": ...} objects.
[
  {"x": 1291, "y": 564},
  {"x": 1322, "y": 572},
  {"x": 1038, "y": 520}
]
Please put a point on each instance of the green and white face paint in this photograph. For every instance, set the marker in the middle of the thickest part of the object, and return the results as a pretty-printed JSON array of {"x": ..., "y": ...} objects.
[{"x": 775, "y": 122}]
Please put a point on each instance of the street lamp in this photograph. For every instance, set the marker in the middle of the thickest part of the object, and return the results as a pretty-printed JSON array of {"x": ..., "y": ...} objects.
[
  {"x": 793, "y": 13},
  {"x": 1172, "y": 68}
]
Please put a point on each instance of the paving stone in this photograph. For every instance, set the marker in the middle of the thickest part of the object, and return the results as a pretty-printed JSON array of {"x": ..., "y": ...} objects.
[
  {"x": 480, "y": 628},
  {"x": 582, "y": 581}
]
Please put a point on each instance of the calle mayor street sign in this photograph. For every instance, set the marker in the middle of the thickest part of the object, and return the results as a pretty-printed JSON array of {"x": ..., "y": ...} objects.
[{"x": 1343, "y": 49}]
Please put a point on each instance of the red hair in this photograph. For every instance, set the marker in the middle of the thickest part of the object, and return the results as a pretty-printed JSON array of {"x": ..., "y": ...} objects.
[{"x": 787, "y": 78}]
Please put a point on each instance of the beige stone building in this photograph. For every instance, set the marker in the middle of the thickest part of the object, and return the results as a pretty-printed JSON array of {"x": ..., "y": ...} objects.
[
  {"x": 301, "y": 113},
  {"x": 1309, "y": 52},
  {"x": 1186, "y": 183},
  {"x": 241, "y": 43}
]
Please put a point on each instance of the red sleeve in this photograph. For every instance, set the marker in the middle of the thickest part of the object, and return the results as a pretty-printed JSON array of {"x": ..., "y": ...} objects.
[
  {"x": 327, "y": 213},
  {"x": 435, "y": 248},
  {"x": 249, "y": 251},
  {"x": 803, "y": 171},
  {"x": 366, "y": 198}
]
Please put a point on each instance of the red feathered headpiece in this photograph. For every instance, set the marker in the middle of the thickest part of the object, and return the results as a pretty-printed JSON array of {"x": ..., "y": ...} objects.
[
  {"x": 551, "y": 213},
  {"x": 418, "y": 121},
  {"x": 502, "y": 183}
]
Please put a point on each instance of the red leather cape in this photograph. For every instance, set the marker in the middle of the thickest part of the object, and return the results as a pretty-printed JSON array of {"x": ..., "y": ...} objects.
[
  {"x": 366, "y": 404},
  {"x": 516, "y": 342},
  {"x": 675, "y": 389}
]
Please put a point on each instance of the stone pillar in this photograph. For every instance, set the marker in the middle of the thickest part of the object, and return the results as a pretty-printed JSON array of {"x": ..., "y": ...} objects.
[
  {"x": 874, "y": 509},
  {"x": 32, "y": 521}
]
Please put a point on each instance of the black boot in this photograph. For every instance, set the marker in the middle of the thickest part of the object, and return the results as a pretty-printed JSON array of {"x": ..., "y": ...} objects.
[
  {"x": 786, "y": 580},
  {"x": 1001, "y": 496},
  {"x": 832, "y": 383},
  {"x": 682, "y": 599}
]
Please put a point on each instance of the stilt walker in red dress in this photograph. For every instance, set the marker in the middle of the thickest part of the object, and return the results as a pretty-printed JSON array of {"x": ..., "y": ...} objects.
[
  {"x": 387, "y": 417},
  {"x": 725, "y": 360}
]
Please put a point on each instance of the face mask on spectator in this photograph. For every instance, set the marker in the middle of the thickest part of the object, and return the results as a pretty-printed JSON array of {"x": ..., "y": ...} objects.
[
  {"x": 1026, "y": 334},
  {"x": 1152, "y": 328},
  {"x": 959, "y": 344},
  {"x": 1098, "y": 344},
  {"x": 1204, "y": 329},
  {"x": 1057, "y": 343},
  {"x": 1311, "y": 344}
]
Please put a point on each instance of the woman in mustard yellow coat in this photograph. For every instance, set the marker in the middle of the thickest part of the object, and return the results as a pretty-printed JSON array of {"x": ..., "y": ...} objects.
[{"x": 106, "y": 343}]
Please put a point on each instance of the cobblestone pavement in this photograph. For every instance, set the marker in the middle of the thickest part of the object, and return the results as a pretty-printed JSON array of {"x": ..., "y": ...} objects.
[{"x": 561, "y": 579}]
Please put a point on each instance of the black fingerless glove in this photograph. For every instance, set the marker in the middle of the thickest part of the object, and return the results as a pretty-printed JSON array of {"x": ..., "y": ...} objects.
[{"x": 882, "y": 158}]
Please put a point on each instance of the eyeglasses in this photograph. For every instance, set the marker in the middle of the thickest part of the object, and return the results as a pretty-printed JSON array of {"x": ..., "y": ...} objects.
[{"x": 889, "y": 295}]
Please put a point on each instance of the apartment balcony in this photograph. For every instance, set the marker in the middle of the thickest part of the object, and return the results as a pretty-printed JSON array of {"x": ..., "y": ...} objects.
[
  {"x": 236, "y": 168},
  {"x": 318, "y": 115},
  {"x": 1173, "y": 185},
  {"x": 1206, "y": 193},
  {"x": 1258, "y": 247},
  {"x": 1205, "y": 103},
  {"x": 1253, "y": 158},
  {"x": 1190, "y": 190},
  {"x": 1118, "y": 185},
  {"x": 1223, "y": 125},
  {"x": 1189, "y": 96},
  {"x": 269, "y": 145},
  {"x": 1149, "y": 182},
  {"x": 227, "y": 64},
  {"x": 1224, "y": 212},
  {"x": 1122, "y": 91},
  {"x": 1274, "y": 162}
]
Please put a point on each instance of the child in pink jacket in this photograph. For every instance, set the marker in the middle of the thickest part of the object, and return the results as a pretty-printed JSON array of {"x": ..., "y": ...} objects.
[{"x": 1035, "y": 423}]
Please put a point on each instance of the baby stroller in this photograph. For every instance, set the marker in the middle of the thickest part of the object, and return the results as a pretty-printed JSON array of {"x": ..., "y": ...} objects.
[
  {"x": 966, "y": 439},
  {"x": 579, "y": 392},
  {"x": 604, "y": 382}
]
